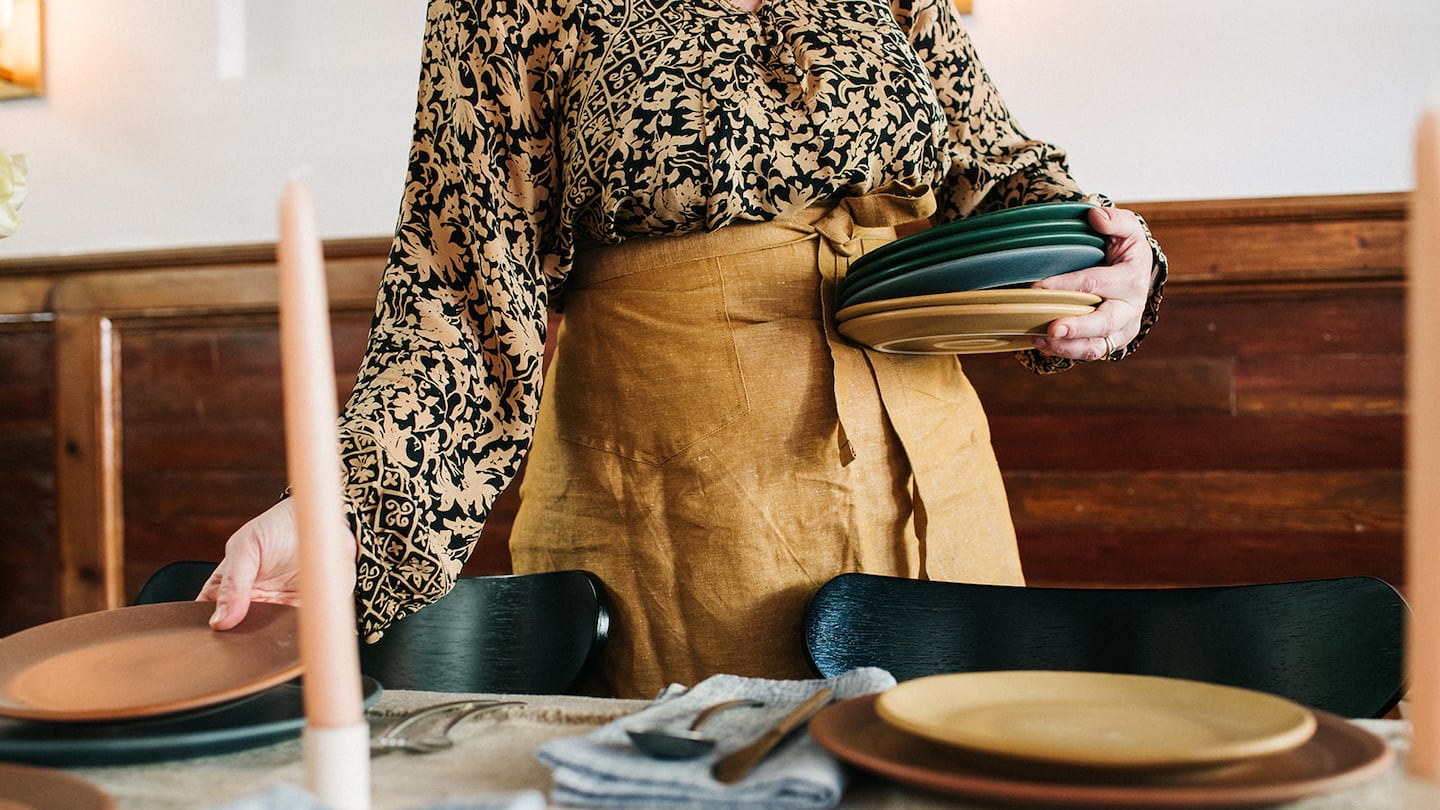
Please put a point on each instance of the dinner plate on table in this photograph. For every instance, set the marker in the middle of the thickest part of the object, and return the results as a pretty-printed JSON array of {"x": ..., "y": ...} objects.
[
  {"x": 143, "y": 661},
  {"x": 956, "y": 329},
  {"x": 1035, "y": 212},
  {"x": 26, "y": 788},
  {"x": 1338, "y": 755},
  {"x": 276, "y": 714},
  {"x": 979, "y": 271},
  {"x": 1096, "y": 719}
]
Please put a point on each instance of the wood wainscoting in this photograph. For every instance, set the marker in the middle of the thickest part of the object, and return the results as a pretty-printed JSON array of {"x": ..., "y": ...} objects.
[{"x": 1256, "y": 436}]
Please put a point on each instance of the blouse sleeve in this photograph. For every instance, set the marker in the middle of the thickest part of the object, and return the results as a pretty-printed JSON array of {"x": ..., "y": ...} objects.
[
  {"x": 445, "y": 399},
  {"x": 993, "y": 164}
]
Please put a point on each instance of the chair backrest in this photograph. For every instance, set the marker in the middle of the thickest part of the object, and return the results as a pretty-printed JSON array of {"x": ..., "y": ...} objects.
[
  {"x": 1333, "y": 644},
  {"x": 523, "y": 634}
]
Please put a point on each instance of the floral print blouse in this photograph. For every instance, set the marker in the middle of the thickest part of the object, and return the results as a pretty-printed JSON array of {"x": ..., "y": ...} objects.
[{"x": 546, "y": 125}]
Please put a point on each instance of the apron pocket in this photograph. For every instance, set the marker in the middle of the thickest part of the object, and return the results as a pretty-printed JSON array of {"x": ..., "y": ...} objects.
[{"x": 649, "y": 364}]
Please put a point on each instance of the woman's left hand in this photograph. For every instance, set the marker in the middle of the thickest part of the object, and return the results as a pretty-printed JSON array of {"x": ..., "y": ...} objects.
[{"x": 1123, "y": 281}]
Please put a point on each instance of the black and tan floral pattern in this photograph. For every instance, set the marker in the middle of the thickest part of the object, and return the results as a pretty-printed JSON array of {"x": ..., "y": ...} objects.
[{"x": 546, "y": 125}]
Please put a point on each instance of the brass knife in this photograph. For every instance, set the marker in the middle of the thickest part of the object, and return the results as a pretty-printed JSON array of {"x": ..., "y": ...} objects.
[{"x": 734, "y": 765}]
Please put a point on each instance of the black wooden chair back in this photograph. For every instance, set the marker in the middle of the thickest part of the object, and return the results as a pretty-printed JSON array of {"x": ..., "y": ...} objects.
[
  {"x": 1335, "y": 644},
  {"x": 523, "y": 634}
]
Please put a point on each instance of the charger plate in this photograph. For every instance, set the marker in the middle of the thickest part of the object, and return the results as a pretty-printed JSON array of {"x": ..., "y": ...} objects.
[
  {"x": 1002, "y": 268},
  {"x": 276, "y": 714},
  {"x": 1035, "y": 212},
  {"x": 144, "y": 660},
  {"x": 1022, "y": 295},
  {"x": 1339, "y": 755},
  {"x": 27, "y": 788},
  {"x": 956, "y": 329},
  {"x": 1096, "y": 719}
]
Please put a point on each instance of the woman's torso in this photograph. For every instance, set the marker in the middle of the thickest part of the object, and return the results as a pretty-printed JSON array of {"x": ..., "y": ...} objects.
[{"x": 680, "y": 115}]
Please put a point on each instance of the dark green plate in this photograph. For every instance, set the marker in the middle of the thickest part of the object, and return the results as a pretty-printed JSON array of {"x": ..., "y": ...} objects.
[
  {"x": 851, "y": 288},
  {"x": 273, "y": 715},
  {"x": 1022, "y": 265},
  {"x": 927, "y": 251},
  {"x": 1036, "y": 212}
]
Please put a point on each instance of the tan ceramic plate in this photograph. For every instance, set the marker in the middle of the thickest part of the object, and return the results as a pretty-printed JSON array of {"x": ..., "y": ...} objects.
[
  {"x": 956, "y": 329},
  {"x": 28, "y": 788},
  {"x": 1024, "y": 295},
  {"x": 1339, "y": 755},
  {"x": 144, "y": 660},
  {"x": 1095, "y": 719}
]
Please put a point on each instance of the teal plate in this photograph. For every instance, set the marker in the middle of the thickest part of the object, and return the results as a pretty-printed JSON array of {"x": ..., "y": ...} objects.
[
  {"x": 944, "y": 253},
  {"x": 981, "y": 272},
  {"x": 924, "y": 252},
  {"x": 276, "y": 714},
  {"x": 1036, "y": 212},
  {"x": 1005, "y": 263}
]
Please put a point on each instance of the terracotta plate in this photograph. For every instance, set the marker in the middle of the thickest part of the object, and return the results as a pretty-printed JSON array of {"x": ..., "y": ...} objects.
[
  {"x": 276, "y": 714},
  {"x": 144, "y": 660},
  {"x": 27, "y": 788},
  {"x": 1339, "y": 755}
]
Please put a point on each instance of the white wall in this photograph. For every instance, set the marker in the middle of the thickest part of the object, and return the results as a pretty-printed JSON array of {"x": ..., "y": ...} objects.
[
  {"x": 1189, "y": 99},
  {"x": 168, "y": 124}
]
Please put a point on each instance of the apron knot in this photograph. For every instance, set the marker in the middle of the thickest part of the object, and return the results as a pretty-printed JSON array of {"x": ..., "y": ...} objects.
[
  {"x": 887, "y": 207},
  {"x": 844, "y": 231}
]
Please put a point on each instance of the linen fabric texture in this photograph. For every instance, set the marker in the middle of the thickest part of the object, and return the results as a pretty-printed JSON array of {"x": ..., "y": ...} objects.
[
  {"x": 714, "y": 452},
  {"x": 547, "y": 129},
  {"x": 603, "y": 769}
]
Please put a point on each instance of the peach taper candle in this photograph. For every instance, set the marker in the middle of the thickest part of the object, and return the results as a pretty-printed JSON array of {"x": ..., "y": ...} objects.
[
  {"x": 336, "y": 736},
  {"x": 1422, "y": 520}
]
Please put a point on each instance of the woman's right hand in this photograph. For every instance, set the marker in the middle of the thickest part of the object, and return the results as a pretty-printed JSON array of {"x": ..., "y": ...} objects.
[{"x": 262, "y": 564}]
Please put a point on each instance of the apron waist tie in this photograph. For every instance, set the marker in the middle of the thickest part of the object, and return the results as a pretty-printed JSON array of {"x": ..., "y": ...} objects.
[{"x": 849, "y": 229}]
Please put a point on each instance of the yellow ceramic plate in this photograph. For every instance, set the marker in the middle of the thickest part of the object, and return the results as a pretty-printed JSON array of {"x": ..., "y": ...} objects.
[
  {"x": 1100, "y": 720},
  {"x": 956, "y": 329},
  {"x": 1024, "y": 295}
]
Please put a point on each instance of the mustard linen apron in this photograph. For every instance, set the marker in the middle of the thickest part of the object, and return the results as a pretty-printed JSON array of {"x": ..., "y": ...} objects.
[{"x": 712, "y": 449}]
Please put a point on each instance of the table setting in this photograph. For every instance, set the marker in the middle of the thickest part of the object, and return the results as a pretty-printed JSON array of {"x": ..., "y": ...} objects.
[
  {"x": 148, "y": 708},
  {"x": 502, "y": 757},
  {"x": 858, "y": 740}
]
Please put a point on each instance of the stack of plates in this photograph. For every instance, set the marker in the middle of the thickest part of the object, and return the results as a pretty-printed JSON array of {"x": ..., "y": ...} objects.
[
  {"x": 962, "y": 287},
  {"x": 148, "y": 683},
  {"x": 1083, "y": 739}
]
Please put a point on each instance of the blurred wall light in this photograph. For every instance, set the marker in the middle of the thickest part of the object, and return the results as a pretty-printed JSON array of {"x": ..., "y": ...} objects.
[{"x": 22, "y": 61}]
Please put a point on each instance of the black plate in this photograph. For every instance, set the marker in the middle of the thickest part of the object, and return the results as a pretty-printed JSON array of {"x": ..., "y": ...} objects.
[{"x": 276, "y": 714}]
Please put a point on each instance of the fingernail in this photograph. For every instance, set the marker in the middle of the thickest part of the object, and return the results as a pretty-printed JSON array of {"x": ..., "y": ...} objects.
[
  {"x": 218, "y": 615},
  {"x": 1061, "y": 331}
]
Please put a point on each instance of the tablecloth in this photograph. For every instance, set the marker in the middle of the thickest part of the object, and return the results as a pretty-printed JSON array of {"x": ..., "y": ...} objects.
[{"x": 494, "y": 754}]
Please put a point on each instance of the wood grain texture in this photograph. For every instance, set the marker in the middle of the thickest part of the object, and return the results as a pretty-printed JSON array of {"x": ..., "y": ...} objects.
[{"x": 87, "y": 465}]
